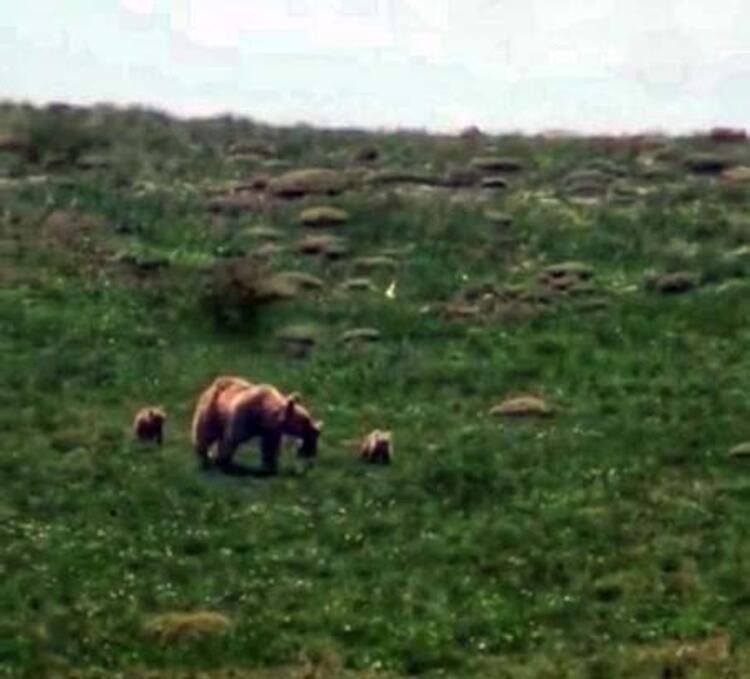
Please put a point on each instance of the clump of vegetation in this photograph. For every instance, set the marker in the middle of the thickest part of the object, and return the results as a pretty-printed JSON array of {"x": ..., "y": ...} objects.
[
  {"x": 707, "y": 163},
  {"x": 180, "y": 626},
  {"x": 315, "y": 181},
  {"x": 498, "y": 164},
  {"x": 323, "y": 215},
  {"x": 238, "y": 286},
  {"x": 523, "y": 406}
]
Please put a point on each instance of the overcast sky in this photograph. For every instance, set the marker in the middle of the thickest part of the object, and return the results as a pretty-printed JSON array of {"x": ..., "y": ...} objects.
[{"x": 588, "y": 65}]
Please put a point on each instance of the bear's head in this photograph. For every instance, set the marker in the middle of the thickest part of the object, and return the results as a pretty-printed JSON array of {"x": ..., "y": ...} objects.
[
  {"x": 299, "y": 423},
  {"x": 157, "y": 417}
]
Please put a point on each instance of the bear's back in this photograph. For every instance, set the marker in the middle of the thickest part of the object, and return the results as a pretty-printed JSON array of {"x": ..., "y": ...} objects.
[
  {"x": 261, "y": 403},
  {"x": 229, "y": 394},
  {"x": 225, "y": 382}
]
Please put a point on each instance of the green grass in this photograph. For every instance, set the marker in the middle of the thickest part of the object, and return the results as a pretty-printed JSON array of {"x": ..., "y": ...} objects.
[{"x": 570, "y": 546}]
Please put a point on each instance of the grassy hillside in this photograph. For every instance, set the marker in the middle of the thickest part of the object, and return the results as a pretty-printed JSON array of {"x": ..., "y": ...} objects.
[{"x": 141, "y": 256}]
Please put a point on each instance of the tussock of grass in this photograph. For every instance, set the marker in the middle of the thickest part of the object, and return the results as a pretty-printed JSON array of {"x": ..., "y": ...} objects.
[
  {"x": 326, "y": 245},
  {"x": 523, "y": 406},
  {"x": 683, "y": 657},
  {"x": 309, "y": 181},
  {"x": 497, "y": 164},
  {"x": 238, "y": 286},
  {"x": 179, "y": 626},
  {"x": 323, "y": 216}
]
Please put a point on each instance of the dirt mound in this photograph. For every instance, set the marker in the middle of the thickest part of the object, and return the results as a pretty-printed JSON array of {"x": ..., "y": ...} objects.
[
  {"x": 237, "y": 203},
  {"x": 330, "y": 247},
  {"x": 497, "y": 218},
  {"x": 264, "y": 233},
  {"x": 673, "y": 283},
  {"x": 310, "y": 181},
  {"x": 255, "y": 182},
  {"x": 172, "y": 627},
  {"x": 494, "y": 182},
  {"x": 587, "y": 182},
  {"x": 367, "y": 265},
  {"x": 708, "y": 164},
  {"x": 679, "y": 657},
  {"x": 460, "y": 311},
  {"x": 323, "y": 215},
  {"x": 301, "y": 280},
  {"x": 298, "y": 340},
  {"x": 565, "y": 276},
  {"x": 396, "y": 176},
  {"x": 741, "y": 450},
  {"x": 461, "y": 177},
  {"x": 737, "y": 175},
  {"x": 523, "y": 406},
  {"x": 14, "y": 143},
  {"x": 360, "y": 284},
  {"x": 498, "y": 164},
  {"x": 360, "y": 336}
]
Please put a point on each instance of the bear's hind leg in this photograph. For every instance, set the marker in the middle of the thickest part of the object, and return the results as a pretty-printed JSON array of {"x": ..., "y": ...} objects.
[
  {"x": 270, "y": 445},
  {"x": 207, "y": 430}
]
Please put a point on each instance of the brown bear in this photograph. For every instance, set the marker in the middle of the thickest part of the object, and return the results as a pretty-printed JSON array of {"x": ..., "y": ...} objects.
[
  {"x": 232, "y": 410},
  {"x": 377, "y": 447},
  {"x": 148, "y": 424}
]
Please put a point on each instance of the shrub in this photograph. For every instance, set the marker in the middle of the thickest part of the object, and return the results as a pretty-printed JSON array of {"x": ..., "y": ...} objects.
[
  {"x": 237, "y": 286},
  {"x": 57, "y": 134},
  {"x": 706, "y": 163}
]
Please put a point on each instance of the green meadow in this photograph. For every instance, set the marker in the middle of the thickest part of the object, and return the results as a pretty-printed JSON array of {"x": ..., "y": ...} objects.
[{"x": 608, "y": 536}]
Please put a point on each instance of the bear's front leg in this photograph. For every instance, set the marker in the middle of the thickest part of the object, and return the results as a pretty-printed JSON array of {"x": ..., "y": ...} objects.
[
  {"x": 270, "y": 445},
  {"x": 226, "y": 449}
]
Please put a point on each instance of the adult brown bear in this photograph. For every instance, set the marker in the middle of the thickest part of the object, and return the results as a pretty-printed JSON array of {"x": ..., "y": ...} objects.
[{"x": 232, "y": 410}]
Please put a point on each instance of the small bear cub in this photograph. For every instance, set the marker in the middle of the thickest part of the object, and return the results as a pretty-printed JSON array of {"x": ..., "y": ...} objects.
[
  {"x": 377, "y": 447},
  {"x": 148, "y": 425}
]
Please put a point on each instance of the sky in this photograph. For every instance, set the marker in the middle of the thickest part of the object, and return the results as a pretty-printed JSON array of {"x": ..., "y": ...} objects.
[{"x": 596, "y": 66}]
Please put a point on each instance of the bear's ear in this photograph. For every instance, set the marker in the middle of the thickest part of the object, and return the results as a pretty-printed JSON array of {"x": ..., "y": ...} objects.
[
  {"x": 318, "y": 426},
  {"x": 294, "y": 397}
]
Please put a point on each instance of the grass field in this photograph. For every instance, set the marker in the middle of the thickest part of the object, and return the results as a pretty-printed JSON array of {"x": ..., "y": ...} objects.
[{"x": 609, "y": 539}]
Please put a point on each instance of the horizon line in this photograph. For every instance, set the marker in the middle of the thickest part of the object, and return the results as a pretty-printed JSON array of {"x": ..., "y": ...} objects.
[{"x": 549, "y": 132}]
